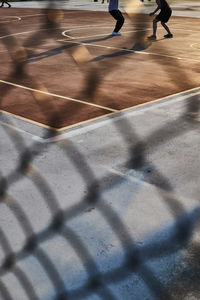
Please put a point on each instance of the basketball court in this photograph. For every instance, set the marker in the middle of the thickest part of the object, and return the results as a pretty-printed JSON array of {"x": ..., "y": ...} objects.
[
  {"x": 164, "y": 67},
  {"x": 99, "y": 153}
]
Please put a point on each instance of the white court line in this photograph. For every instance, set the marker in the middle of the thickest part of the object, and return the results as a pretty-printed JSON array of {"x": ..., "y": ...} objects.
[
  {"x": 194, "y": 46},
  {"x": 102, "y": 34},
  {"x": 33, "y": 15},
  {"x": 104, "y": 120},
  {"x": 9, "y": 21},
  {"x": 20, "y": 33},
  {"x": 101, "y": 46},
  {"x": 74, "y": 28},
  {"x": 59, "y": 96},
  {"x": 129, "y": 50},
  {"x": 121, "y": 114},
  {"x": 36, "y": 30}
]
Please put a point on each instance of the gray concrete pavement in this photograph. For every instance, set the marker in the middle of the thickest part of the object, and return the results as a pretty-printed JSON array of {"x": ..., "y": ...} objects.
[
  {"x": 140, "y": 198},
  {"x": 186, "y": 9},
  {"x": 146, "y": 164}
]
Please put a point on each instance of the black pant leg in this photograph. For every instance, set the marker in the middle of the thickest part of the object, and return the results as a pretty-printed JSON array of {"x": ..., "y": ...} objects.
[{"x": 117, "y": 15}]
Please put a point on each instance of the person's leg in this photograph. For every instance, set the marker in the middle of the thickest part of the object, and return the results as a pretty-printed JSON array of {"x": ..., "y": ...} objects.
[
  {"x": 155, "y": 21},
  {"x": 167, "y": 29},
  {"x": 120, "y": 21},
  {"x": 6, "y": 3},
  {"x": 117, "y": 15},
  {"x": 153, "y": 36}
]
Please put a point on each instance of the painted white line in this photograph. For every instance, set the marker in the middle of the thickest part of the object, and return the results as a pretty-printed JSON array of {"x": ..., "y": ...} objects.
[
  {"x": 102, "y": 34},
  {"x": 181, "y": 96},
  {"x": 35, "y": 15},
  {"x": 9, "y": 21},
  {"x": 102, "y": 46},
  {"x": 130, "y": 50},
  {"x": 26, "y": 32},
  {"x": 59, "y": 96},
  {"x": 20, "y": 33},
  {"x": 195, "y": 46},
  {"x": 45, "y": 29}
]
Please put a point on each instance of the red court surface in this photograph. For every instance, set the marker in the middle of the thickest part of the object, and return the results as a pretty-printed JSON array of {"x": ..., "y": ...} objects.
[{"x": 44, "y": 76}]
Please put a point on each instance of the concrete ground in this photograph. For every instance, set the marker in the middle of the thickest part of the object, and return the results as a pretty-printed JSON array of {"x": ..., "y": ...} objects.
[
  {"x": 128, "y": 188},
  {"x": 181, "y": 8}
]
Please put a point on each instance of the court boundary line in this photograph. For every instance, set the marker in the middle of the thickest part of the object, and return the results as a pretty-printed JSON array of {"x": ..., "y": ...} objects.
[
  {"x": 80, "y": 101},
  {"x": 59, "y": 96},
  {"x": 11, "y": 21},
  {"x": 89, "y": 122},
  {"x": 102, "y": 46},
  {"x": 128, "y": 50},
  {"x": 184, "y": 95}
]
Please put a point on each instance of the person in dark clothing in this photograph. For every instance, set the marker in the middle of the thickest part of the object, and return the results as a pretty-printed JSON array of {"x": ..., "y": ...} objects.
[
  {"x": 163, "y": 17},
  {"x": 2, "y": 3},
  {"x": 117, "y": 15}
]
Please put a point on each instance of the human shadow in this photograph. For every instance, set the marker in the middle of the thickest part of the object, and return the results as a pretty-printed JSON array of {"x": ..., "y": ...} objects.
[
  {"x": 33, "y": 57},
  {"x": 139, "y": 46},
  {"x": 110, "y": 36}
]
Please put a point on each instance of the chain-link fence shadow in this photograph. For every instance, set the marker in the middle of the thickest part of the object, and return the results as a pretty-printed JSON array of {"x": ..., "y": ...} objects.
[{"x": 34, "y": 246}]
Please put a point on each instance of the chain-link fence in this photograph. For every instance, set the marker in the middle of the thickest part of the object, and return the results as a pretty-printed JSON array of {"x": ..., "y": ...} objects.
[{"x": 135, "y": 258}]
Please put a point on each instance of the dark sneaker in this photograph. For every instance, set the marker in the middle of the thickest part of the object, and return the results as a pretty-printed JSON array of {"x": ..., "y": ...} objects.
[
  {"x": 152, "y": 37},
  {"x": 168, "y": 36}
]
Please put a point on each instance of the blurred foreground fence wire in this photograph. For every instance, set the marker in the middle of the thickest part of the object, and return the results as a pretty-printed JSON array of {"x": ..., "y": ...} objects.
[{"x": 135, "y": 258}]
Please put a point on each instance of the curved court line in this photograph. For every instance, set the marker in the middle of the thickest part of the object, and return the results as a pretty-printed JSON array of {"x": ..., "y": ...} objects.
[
  {"x": 96, "y": 45},
  {"x": 76, "y": 100},
  {"x": 35, "y": 30},
  {"x": 26, "y": 32},
  {"x": 102, "y": 34},
  {"x": 194, "y": 46},
  {"x": 59, "y": 96},
  {"x": 130, "y": 50}
]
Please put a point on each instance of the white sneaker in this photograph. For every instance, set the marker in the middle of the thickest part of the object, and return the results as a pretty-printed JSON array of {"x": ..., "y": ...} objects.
[{"x": 115, "y": 33}]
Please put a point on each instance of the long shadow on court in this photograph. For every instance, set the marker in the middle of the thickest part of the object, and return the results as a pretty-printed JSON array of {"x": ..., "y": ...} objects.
[
  {"x": 59, "y": 50},
  {"x": 125, "y": 51}
]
